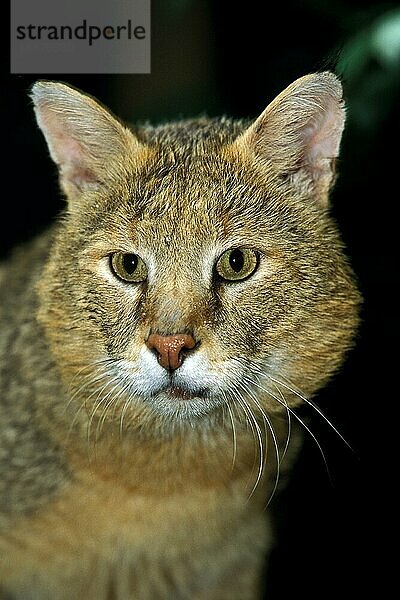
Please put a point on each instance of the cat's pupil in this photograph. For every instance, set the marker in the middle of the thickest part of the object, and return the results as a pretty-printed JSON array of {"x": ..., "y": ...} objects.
[
  {"x": 130, "y": 263},
  {"x": 236, "y": 260}
]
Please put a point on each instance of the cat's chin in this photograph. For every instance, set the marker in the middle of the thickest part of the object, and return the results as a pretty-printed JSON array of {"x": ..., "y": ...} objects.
[
  {"x": 178, "y": 393},
  {"x": 177, "y": 402}
]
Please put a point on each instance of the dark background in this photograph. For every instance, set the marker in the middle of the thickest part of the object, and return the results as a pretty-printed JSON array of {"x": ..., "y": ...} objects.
[{"x": 226, "y": 58}]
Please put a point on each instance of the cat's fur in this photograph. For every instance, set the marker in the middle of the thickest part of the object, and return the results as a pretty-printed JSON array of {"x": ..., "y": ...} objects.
[{"x": 112, "y": 487}]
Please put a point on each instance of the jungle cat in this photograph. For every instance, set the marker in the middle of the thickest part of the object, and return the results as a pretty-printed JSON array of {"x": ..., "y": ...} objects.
[{"x": 156, "y": 342}]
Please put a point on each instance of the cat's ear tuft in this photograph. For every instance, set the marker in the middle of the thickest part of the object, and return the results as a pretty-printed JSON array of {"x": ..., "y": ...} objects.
[
  {"x": 298, "y": 135},
  {"x": 86, "y": 142}
]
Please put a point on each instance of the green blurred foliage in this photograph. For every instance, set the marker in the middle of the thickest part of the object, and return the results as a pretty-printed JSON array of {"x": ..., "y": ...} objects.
[{"x": 370, "y": 67}]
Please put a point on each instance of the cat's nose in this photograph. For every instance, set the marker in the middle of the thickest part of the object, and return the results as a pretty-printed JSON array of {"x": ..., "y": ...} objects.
[{"x": 170, "y": 349}]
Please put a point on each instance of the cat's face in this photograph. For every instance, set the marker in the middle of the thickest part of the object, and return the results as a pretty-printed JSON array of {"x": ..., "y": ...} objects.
[{"x": 193, "y": 276}]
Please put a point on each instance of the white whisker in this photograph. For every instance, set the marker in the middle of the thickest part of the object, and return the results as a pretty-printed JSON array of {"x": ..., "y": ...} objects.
[
  {"x": 99, "y": 401},
  {"x": 268, "y": 422},
  {"x": 258, "y": 437},
  {"x": 234, "y": 440},
  {"x": 296, "y": 416},
  {"x": 313, "y": 405},
  {"x": 112, "y": 399},
  {"x": 289, "y": 421},
  {"x": 124, "y": 409},
  {"x": 91, "y": 379}
]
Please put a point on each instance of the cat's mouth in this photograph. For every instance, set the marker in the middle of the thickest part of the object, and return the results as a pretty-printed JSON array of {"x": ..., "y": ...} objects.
[
  {"x": 174, "y": 400},
  {"x": 178, "y": 393},
  {"x": 175, "y": 392}
]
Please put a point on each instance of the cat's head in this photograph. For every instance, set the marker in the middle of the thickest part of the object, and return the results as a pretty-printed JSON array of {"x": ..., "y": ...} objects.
[{"x": 196, "y": 267}]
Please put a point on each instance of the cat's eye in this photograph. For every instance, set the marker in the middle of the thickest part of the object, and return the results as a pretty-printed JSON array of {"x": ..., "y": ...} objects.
[
  {"x": 237, "y": 264},
  {"x": 128, "y": 267}
]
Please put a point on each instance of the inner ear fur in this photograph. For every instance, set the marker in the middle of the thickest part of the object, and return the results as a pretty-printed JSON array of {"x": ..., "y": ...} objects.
[
  {"x": 88, "y": 144},
  {"x": 297, "y": 137}
]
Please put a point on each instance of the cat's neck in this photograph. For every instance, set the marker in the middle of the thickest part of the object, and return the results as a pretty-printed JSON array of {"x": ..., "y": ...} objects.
[{"x": 188, "y": 458}]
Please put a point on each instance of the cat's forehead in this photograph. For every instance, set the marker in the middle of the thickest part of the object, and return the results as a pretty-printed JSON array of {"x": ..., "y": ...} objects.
[
  {"x": 192, "y": 190},
  {"x": 189, "y": 171},
  {"x": 197, "y": 193},
  {"x": 191, "y": 136}
]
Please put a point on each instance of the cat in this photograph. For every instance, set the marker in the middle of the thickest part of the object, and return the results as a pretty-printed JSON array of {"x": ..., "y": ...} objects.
[{"x": 156, "y": 342}]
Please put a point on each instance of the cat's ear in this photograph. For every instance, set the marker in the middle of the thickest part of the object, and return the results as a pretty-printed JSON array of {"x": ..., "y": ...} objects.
[
  {"x": 298, "y": 135},
  {"x": 87, "y": 143}
]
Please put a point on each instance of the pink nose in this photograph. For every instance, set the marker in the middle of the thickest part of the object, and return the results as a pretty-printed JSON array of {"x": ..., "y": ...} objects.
[{"x": 170, "y": 348}]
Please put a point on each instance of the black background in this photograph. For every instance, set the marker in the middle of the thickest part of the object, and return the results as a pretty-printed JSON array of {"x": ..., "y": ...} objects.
[{"x": 228, "y": 58}]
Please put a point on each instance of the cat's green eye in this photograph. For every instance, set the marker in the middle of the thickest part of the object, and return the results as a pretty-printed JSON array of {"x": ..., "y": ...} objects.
[
  {"x": 128, "y": 267},
  {"x": 237, "y": 264}
]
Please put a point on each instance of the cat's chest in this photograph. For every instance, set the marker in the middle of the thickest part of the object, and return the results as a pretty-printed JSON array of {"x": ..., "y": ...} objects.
[{"x": 99, "y": 529}]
